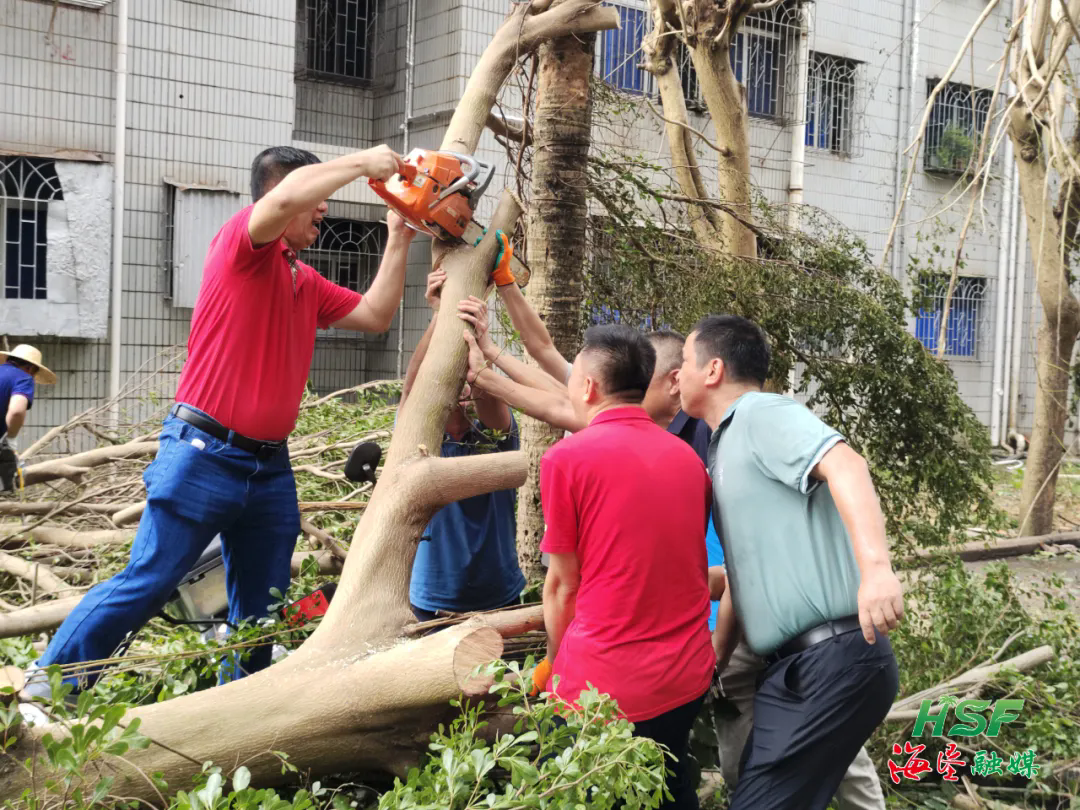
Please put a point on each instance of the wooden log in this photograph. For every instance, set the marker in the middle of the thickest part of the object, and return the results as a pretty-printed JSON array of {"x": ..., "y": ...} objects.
[
  {"x": 37, "y": 619},
  {"x": 131, "y": 514},
  {"x": 73, "y": 466},
  {"x": 46, "y": 581},
  {"x": 27, "y": 508},
  {"x": 65, "y": 538},
  {"x": 996, "y": 550},
  {"x": 328, "y": 563},
  {"x": 907, "y": 708}
]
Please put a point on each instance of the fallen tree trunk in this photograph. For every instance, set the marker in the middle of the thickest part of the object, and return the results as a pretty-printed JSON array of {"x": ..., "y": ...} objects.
[
  {"x": 41, "y": 575},
  {"x": 353, "y": 698},
  {"x": 75, "y": 466},
  {"x": 996, "y": 550},
  {"x": 907, "y": 709},
  {"x": 130, "y": 514},
  {"x": 28, "y": 508},
  {"x": 65, "y": 538},
  {"x": 37, "y": 619}
]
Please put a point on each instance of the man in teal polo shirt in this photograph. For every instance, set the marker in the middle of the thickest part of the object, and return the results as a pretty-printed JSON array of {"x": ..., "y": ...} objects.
[{"x": 810, "y": 583}]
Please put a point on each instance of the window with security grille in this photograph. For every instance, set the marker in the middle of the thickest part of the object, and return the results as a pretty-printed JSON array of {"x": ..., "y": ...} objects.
[
  {"x": 339, "y": 37},
  {"x": 955, "y": 127},
  {"x": 830, "y": 96},
  {"x": 759, "y": 58},
  {"x": 620, "y": 52},
  {"x": 965, "y": 327},
  {"x": 27, "y": 186},
  {"x": 348, "y": 251}
]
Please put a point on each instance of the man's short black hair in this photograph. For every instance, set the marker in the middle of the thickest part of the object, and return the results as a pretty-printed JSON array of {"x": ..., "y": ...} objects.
[
  {"x": 668, "y": 345},
  {"x": 271, "y": 165},
  {"x": 739, "y": 342},
  {"x": 22, "y": 365},
  {"x": 625, "y": 360}
]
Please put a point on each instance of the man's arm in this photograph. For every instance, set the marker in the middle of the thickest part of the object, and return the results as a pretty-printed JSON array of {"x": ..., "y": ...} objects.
[
  {"x": 309, "y": 186},
  {"x": 474, "y": 312},
  {"x": 560, "y": 598},
  {"x": 717, "y": 582},
  {"x": 881, "y": 597},
  {"x": 16, "y": 414},
  {"x": 726, "y": 633},
  {"x": 377, "y": 308},
  {"x": 542, "y": 404},
  {"x": 534, "y": 334}
]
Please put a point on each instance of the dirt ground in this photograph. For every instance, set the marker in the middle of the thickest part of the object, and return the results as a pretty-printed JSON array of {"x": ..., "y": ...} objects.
[{"x": 1057, "y": 574}]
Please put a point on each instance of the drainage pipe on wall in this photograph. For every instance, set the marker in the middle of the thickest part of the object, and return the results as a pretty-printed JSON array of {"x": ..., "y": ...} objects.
[
  {"x": 119, "y": 153},
  {"x": 410, "y": 59},
  {"x": 1001, "y": 323},
  {"x": 909, "y": 71},
  {"x": 1018, "y": 318},
  {"x": 797, "y": 164},
  {"x": 1010, "y": 298}
]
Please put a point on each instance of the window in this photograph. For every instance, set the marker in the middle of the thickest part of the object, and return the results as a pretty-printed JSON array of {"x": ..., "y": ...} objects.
[
  {"x": 955, "y": 127},
  {"x": 759, "y": 58},
  {"x": 830, "y": 96},
  {"x": 620, "y": 53},
  {"x": 27, "y": 186},
  {"x": 193, "y": 216},
  {"x": 963, "y": 333},
  {"x": 339, "y": 38},
  {"x": 690, "y": 85},
  {"x": 348, "y": 252}
]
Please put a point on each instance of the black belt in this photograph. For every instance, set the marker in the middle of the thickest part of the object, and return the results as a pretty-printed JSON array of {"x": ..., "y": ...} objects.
[
  {"x": 815, "y": 635},
  {"x": 211, "y": 426}
]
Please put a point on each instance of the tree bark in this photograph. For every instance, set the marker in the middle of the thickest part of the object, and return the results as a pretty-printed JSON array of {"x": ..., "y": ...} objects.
[
  {"x": 353, "y": 698},
  {"x": 80, "y": 463},
  {"x": 1057, "y": 332},
  {"x": 706, "y": 29},
  {"x": 557, "y": 246}
]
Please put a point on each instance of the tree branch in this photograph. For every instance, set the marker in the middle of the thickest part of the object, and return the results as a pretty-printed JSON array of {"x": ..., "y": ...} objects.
[
  {"x": 447, "y": 480},
  {"x": 73, "y": 466}
]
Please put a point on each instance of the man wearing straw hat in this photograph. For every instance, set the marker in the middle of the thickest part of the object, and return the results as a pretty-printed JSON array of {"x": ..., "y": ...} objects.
[{"x": 21, "y": 368}]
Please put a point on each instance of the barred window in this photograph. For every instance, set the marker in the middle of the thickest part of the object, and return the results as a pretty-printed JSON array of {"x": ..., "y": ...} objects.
[
  {"x": 690, "y": 85},
  {"x": 338, "y": 38},
  {"x": 759, "y": 58},
  {"x": 27, "y": 186},
  {"x": 348, "y": 251},
  {"x": 964, "y": 330},
  {"x": 830, "y": 96},
  {"x": 955, "y": 127},
  {"x": 620, "y": 52}
]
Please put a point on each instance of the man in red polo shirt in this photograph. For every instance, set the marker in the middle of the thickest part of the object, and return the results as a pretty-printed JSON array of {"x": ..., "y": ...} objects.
[
  {"x": 223, "y": 465},
  {"x": 626, "y": 599}
]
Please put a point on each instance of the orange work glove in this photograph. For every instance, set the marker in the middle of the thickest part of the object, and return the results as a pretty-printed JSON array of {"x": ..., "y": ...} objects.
[
  {"x": 503, "y": 275},
  {"x": 540, "y": 677}
]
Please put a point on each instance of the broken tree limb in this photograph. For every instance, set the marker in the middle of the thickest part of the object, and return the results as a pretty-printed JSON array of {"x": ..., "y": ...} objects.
[
  {"x": 80, "y": 463},
  {"x": 37, "y": 573},
  {"x": 129, "y": 514},
  {"x": 907, "y": 709},
  {"x": 65, "y": 538},
  {"x": 37, "y": 619},
  {"x": 327, "y": 562},
  {"x": 324, "y": 538},
  {"x": 26, "y": 508},
  {"x": 454, "y": 479},
  {"x": 1014, "y": 547}
]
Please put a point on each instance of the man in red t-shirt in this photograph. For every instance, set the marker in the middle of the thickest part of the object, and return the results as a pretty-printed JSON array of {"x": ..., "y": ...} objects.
[
  {"x": 223, "y": 464},
  {"x": 626, "y": 599}
]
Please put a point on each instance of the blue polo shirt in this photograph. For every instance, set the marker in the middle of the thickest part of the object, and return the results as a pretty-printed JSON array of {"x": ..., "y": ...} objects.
[
  {"x": 696, "y": 434},
  {"x": 467, "y": 558},
  {"x": 13, "y": 381}
]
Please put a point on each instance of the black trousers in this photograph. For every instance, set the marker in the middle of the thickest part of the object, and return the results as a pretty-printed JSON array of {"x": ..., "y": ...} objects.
[
  {"x": 812, "y": 713},
  {"x": 9, "y": 467},
  {"x": 672, "y": 729}
]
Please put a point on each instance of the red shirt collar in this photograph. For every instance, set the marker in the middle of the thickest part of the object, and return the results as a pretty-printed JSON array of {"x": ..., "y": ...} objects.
[{"x": 625, "y": 413}]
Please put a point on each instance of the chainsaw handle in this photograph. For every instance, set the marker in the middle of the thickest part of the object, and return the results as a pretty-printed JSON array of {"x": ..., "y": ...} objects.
[{"x": 408, "y": 173}]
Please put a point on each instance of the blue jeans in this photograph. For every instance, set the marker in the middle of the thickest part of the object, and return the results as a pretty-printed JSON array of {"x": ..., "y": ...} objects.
[{"x": 192, "y": 494}]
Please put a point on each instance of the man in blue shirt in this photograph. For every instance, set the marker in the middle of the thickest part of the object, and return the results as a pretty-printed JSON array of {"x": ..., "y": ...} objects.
[
  {"x": 17, "y": 376},
  {"x": 467, "y": 557}
]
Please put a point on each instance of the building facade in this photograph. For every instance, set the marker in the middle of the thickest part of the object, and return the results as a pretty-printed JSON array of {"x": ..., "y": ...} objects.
[{"x": 835, "y": 88}]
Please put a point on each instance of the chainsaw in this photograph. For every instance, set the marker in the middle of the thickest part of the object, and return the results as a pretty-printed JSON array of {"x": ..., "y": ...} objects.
[{"x": 437, "y": 194}]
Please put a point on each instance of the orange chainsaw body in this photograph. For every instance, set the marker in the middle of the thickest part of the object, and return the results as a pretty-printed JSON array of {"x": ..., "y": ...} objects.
[{"x": 438, "y": 191}]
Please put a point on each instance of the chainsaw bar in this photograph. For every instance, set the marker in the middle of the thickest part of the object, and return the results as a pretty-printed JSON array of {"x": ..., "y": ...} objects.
[{"x": 472, "y": 235}]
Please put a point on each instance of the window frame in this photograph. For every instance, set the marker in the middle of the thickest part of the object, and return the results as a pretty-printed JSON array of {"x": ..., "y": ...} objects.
[
  {"x": 848, "y": 90},
  {"x": 306, "y": 33},
  {"x": 963, "y": 305},
  {"x": 34, "y": 184},
  {"x": 979, "y": 110}
]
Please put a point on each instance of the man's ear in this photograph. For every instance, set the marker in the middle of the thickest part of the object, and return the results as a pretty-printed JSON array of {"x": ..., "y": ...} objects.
[
  {"x": 592, "y": 391},
  {"x": 673, "y": 382},
  {"x": 714, "y": 372}
]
